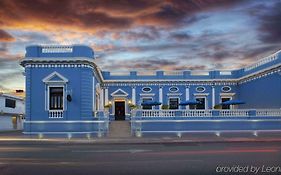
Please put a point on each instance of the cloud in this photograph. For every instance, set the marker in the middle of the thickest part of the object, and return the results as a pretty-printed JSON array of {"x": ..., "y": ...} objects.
[
  {"x": 55, "y": 14},
  {"x": 5, "y": 36},
  {"x": 150, "y": 64},
  {"x": 93, "y": 16},
  {"x": 270, "y": 25},
  {"x": 180, "y": 36}
]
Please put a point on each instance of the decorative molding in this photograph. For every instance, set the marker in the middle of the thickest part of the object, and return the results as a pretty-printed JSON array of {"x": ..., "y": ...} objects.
[
  {"x": 48, "y": 79},
  {"x": 115, "y": 93},
  {"x": 227, "y": 94},
  {"x": 174, "y": 94},
  {"x": 201, "y": 94},
  {"x": 148, "y": 94}
]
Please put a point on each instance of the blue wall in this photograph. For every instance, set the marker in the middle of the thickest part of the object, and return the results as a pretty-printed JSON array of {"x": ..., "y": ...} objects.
[
  {"x": 80, "y": 82},
  {"x": 262, "y": 93}
]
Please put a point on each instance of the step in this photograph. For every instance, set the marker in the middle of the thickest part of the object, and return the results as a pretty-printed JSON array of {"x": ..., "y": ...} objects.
[{"x": 119, "y": 129}]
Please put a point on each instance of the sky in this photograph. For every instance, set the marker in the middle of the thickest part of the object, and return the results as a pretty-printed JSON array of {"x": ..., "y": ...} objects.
[{"x": 142, "y": 34}]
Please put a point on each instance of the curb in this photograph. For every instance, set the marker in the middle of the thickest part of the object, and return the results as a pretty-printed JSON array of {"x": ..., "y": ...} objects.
[{"x": 132, "y": 141}]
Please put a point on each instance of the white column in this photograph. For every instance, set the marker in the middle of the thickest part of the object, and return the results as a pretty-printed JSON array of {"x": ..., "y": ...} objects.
[
  {"x": 134, "y": 95},
  {"x": 102, "y": 99},
  {"x": 161, "y": 96},
  {"x": 106, "y": 96},
  {"x": 213, "y": 97},
  {"x": 187, "y": 95},
  {"x": 94, "y": 95}
]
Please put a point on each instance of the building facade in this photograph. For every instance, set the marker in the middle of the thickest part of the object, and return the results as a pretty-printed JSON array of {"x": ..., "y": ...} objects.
[
  {"x": 65, "y": 88},
  {"x": 12, "y": 109}
]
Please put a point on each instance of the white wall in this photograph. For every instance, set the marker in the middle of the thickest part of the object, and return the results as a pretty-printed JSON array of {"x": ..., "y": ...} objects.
[
  {"x": 7, "y": 123},
  {"x": 19, "y": 109}
]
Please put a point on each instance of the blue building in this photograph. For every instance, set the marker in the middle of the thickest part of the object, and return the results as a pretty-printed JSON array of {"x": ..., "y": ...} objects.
[{"x": 67, "y": 93}]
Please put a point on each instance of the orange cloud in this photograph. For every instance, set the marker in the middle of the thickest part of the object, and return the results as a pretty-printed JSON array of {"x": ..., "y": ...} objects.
[
  {"x": 95, "y": 16},
  {"x": 6, "y": 37}
]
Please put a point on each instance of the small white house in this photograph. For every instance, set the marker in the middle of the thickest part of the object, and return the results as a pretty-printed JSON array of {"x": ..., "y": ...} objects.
[{"x": 12, "y": 110}]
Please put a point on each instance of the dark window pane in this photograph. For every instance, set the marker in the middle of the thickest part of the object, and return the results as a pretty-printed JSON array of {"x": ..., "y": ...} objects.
[
  {"x": 202, "y": 103},
  {"x": 146, "y": 106},
  {"x": 9, "y": 103},
  {"x": 56, "y": 98},
  {"x": 225, "y": 106},
  {"x": 174, "y": 103}
]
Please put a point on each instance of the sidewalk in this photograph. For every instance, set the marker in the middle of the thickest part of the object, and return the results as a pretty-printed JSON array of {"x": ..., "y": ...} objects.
[{"x": 13, "y": 136}]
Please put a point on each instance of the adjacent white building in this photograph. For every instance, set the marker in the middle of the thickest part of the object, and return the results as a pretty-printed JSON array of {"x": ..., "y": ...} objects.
[{"x": 12, "y": 110}]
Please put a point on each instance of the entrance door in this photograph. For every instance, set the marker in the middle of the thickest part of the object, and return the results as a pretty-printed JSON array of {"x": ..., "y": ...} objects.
[{"x": 119, "y": 110}]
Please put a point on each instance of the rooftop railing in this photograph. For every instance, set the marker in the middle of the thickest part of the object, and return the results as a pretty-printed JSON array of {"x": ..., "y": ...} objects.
[
  {"x": 173, "y": 73},
  {"x": 263, "y": 61}
]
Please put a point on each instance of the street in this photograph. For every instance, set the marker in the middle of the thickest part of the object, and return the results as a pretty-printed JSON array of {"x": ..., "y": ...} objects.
[{"x": 57, "y": 158}]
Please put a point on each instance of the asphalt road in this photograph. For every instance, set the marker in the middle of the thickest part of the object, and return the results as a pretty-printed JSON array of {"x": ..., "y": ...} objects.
[{"x": 49, "y": 158}]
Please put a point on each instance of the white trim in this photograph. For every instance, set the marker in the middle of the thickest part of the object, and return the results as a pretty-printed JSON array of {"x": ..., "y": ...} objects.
[
  {"x": 134, "y": 95},
  {"x": 213, "y": 97},
  {"x": 171, "y": 94},
  {"x": 50, "y": 76},
  {"x": 106, "y": 96},
  {"x": 187, "y": 95},
  {"x": 102, "y": 99},
  {"x": 94, "y": 95},
  {"x": 201, "y": 94},
  {"x": 147, "y": 94},
  {"x": 160, "y": 96},
  {"x": 119, "y": 90},
  {"x": 227, "y": 94}
]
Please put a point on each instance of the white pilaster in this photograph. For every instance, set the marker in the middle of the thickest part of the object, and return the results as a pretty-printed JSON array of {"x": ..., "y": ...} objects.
[
  {"x": 161, "y": 96},
  {"x": 102, "y": 99},
  {"x": 187, "y": 95},
  {"x": 134, "y": 95},
  {"x": 213, "y": 97},
  {"x": 106, "y": 96}
]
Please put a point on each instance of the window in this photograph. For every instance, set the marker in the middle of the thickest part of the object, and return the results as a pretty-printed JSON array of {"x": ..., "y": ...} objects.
[
  {"x": 9, "y": 103},
  {"x": 173, "y": 89},
  {"x": 224, "y": 100},
  {"x": 174, "y": 103},
  {"x": 199, "y": 106},
  {"x": 56, "y": 98},
  {"x": 146, "y": 106},
  {"x": 200, "y": 89},
  {"x": 226, "y": 88},
  {"x": 146, "y": 89}
]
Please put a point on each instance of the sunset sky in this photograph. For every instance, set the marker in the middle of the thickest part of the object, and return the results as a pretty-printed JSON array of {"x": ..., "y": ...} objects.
[{"x": 142, "y": 34}]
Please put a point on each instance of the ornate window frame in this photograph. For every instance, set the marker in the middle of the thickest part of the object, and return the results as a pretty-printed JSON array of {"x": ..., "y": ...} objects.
[
  {"x": 61, "y": 82},
  {"x": 142, "y": 89},
  {"x": 226, "y": 90},
  {"x": 177, "y": 89},
  {"x": 204, "y": 89}
]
